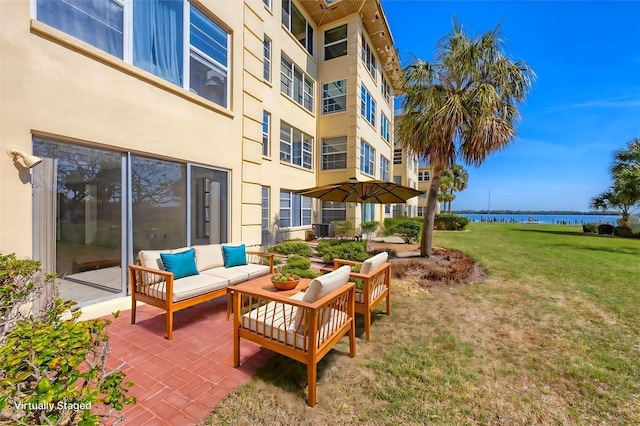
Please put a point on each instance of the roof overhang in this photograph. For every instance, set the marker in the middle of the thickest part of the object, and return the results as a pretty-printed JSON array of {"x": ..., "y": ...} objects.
[{"x": 324, "y": 12}]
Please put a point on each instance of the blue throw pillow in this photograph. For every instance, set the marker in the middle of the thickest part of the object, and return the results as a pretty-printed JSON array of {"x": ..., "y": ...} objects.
[
  {"x": 234, "y": 255},
  {"x": 182, "y": 264}
]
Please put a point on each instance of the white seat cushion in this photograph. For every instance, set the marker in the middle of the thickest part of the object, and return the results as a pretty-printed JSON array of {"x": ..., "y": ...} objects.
[
  {"x": 253, "y": 270},
  {"x": 374, "y": 262},
  {"x": 233, "y": 275},
  {"x": 187, "y": 287},
  {"x": 208, "y": 256}
]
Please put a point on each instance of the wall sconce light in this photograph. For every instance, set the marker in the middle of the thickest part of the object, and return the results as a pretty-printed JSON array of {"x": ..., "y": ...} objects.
[{"x": 28, "y": 160}]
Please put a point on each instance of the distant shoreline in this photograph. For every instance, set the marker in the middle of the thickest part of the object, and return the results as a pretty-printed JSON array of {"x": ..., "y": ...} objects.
[{"x": 541, "y": 212}]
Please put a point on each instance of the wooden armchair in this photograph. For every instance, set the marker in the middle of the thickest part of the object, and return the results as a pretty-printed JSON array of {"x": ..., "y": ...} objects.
[
  {"x": 375, "y": 274},
  {"x": 299, "y": 329}
]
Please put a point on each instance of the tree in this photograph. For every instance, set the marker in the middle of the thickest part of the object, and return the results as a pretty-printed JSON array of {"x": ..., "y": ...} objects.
[
  {"x": 624, "y": 194},
  {"x": 453, "y": 179},
  {"x": 461, "y": 106}
]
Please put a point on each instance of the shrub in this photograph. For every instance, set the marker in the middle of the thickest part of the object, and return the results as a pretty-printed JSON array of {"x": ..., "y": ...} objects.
[
  {"x": 297, "y": 262},
  {"x": 291, "y": 247},
  {"x": 408, "y": 230},
  {"x": 391, "y": 222},
  {"x": 348, "y": 250},
  {"x": 369, "y": 227},
  {"x": 590, "y": 228},
  {"x": 52, "y": 371},
  {"x": 450, "y": 222},
  {"x": 342, "y": 228},
  {"x": 623, "y": 231},
  {"x": 605, "y": 228}
]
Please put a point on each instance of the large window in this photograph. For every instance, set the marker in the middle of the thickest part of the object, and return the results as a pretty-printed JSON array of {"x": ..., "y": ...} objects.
[
  {"x": 335, "y": 42},
  {"x": 368, "y": 57},
  {"x": 367, "y": 106},
  {"x": 295, "y": 210},
  {"x": 367, "y": 158},
  {"x": 266, "y": 133},
  {"x": 296, "y": 84},
  {"x": 384, "y": 168},
  {"x": 266, "y": 59},
  {"x": 385, "y": 127},
  {"x": 265, "y": 215},
  {"x": 187, "y": 49},
  {"x": 397, "y": 156},
  {"x": 334, "y": 153},
  {"x": 424, "y": 176},
  {"x": 296, "y": 147},
  {"x": 333, "y": 211},
  {"x": 334, "y": 96},
  {"x": 385, "y": 89},
  {"x": 295, "y": 22}
]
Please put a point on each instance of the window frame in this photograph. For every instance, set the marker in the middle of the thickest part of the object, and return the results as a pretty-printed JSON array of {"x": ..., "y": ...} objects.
[
  {"x": 266, "y": 58},
  {"x": 384, "y": 168},
  {"x": 266, "y": 133},
  {"x": 335, "y": 43},
  {"x": 301, "y": 87},
  {"x": 368, "y": 106},
  {"x": 422, "y": 174},
  {"x": 385, "y": 89},
  {"x": 287, "y": 21},
  {"x": 385, "y": 127},
  {"x": 368, "y": 58},
  {"x": 325, "y": 155},
  {"x": 397, "y": 156},
  {"x": 326, "y": 99},
  {"x": 367, "y": 158},
  {"x": 296, "y": 218},
  {"x": 290, "y": 154}
]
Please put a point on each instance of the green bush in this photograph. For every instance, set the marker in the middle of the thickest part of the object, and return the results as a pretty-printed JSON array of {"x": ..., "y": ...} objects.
[
  {"x": 368, "y": 227},
  {"x": 291, "y": 247},
  {"x": 348, "y": 250},
  {"x": 342, "y": 228},
  {"x": 297, "y": 262},
  {"x": 623, "y": 231},
  {"x": 409, "y": 231},
  {"x": 450, "y": 222},
  {"x": 605, "y": 229},
  {"x": 391, "y": 222},
  {"x": 52, "y": 371},
  {"x": 590, "y": 228}
]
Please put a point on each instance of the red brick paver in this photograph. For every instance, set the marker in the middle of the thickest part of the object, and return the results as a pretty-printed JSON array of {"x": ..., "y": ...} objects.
[{"x": 178, "y": 382}]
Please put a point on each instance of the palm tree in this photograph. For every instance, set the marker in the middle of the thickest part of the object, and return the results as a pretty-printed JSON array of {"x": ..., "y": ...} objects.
[
  {"x": 453, "y": 179},
  {"x": 462, "y": 105},
  {"x": 624, "y": 194}
]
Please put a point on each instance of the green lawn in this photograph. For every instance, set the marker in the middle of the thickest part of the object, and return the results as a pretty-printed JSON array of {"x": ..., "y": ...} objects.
[{"x": 551, "y": 336}]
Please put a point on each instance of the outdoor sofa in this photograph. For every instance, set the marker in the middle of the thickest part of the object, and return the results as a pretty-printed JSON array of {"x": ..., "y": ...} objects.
[{"x": 176, "y": 279}]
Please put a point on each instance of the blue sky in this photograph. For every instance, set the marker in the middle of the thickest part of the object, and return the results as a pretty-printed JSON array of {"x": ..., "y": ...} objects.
[{"x": 585, "y": 102}]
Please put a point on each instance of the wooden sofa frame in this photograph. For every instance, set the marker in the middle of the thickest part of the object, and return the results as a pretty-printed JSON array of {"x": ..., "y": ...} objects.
[
  {"x": 377, "y": 282},
  {"x": 140, "y": 291},
  {"x": 311, "y": 341}
]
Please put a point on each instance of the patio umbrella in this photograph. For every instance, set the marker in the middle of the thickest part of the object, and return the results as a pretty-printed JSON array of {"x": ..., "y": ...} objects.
[{"x": 355, "y": 191}]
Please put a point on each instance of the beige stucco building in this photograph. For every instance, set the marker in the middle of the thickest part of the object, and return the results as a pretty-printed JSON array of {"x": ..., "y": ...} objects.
[{"x": 164, "y": 124}]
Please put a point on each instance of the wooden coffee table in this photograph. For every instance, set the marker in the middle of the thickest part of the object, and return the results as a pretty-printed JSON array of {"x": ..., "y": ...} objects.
[{"x": 261, "y": 286}]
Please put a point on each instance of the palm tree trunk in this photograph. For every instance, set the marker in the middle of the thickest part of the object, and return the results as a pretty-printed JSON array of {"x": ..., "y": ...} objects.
[{"x": 426, "y": 240}]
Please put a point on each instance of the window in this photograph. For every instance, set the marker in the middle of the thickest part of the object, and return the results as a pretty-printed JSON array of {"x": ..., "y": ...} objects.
[
  {"x": 154, "y": 39},
  {"x": 267, "y": 3},
  {"x": 424, "y": 176},
  {"x": 295, "y": 22},
  {"x": 385, "y": 127},
  {"x": 415, "y": 163},
  {"x": 333, "y": 211},
  {"x": 368, "y": 57},
  {"x": 384, "y": 168},
  {"x": 266, "y": 131},
  {"x": 335, "y": 42},
  {"x": 296, "y": 84},
  {"x": 334, "y": 153},
  {"x": 334, "y": 96},
  {"x": 397, "y": 156},
  {"x": 422, "y": 211},
  {"x": 295, "y": 209},
  {"x": 367, "y": 106},
  {"x": 397, "y": 180},
  {"x": 367, "y": 158},
  {"x": 266, "y": 59},
  {"x": 386, "y": 90},
  {"x": 296, "y": 147},
  {"x": 99, "y": 23},
  {"x": 265, "y": 215}
]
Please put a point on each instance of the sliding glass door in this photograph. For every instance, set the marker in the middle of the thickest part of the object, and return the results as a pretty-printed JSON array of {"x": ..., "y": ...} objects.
[{"x": 83, "y": 197}]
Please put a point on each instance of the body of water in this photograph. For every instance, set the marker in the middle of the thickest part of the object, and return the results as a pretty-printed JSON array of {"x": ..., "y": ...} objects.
[{"x": 557, "y": 219}]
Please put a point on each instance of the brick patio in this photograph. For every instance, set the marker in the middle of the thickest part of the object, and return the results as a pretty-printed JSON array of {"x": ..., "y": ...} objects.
[{"x": 179, "y": 382}]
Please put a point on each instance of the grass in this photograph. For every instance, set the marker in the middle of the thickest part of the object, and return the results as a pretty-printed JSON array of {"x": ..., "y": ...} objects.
[{"x": 552, "y": 336}]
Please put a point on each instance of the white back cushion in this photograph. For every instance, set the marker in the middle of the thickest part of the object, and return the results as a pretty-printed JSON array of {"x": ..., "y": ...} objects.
[
  {"x": 327, "y": 283},
  {"x": 151, "y": 258},
  {"x": 208, "y": 256},
  {"x": 374, "y": 262}
]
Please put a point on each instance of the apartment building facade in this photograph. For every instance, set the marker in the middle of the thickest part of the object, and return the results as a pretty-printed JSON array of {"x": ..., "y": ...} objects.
[{"x": 166, "y": 123}]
